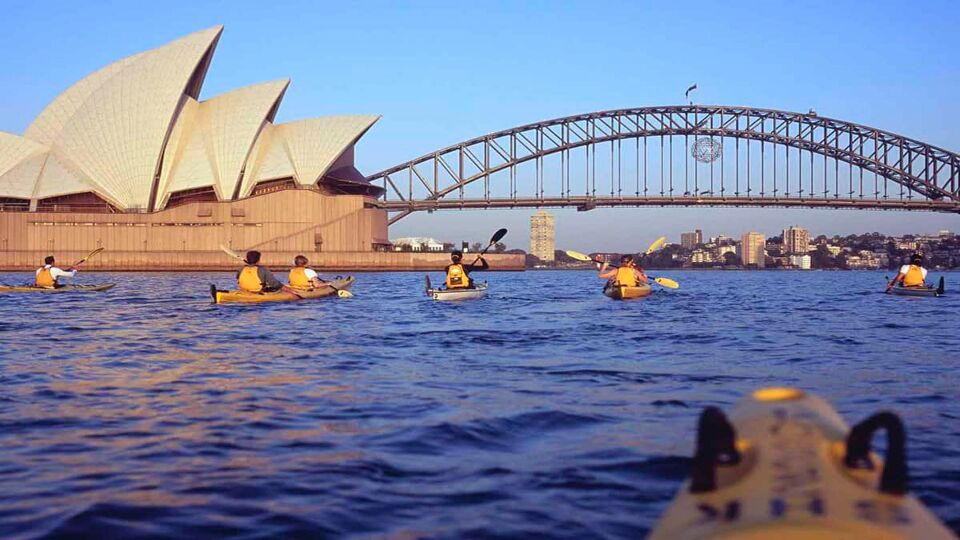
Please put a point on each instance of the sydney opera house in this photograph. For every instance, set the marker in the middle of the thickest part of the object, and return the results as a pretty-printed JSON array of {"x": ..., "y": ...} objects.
[{"x": 130, "y": 159}]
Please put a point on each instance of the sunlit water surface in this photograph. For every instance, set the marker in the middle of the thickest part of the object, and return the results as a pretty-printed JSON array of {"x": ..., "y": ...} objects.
[{"x": 543, "y": 410}]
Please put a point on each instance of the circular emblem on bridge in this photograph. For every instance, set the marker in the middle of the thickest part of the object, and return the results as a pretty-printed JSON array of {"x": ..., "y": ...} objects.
[{"x": 706, "y": 149}]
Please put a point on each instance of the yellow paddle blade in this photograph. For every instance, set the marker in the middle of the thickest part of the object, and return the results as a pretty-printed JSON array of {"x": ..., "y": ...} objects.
[
  {"x": 656, "y": 245},
  {"x": 230, "y": 252},
  {"x": 578, "y": 256},
  {"x": 667, "y": 282},
  {"x": 91, "y": 254},
  {"x": 344, "y": 294}
]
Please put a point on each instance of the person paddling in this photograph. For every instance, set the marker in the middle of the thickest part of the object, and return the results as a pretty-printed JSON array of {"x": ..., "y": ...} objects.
[
  {"x": 49, "y": 275},
  {"x": 628, "y": 275},
  {"x": 458, "y": 274},
  {"x": 255, "y": 278},
  {"x": 304, "y": 278},
  {"x": 911, "y": 275}
]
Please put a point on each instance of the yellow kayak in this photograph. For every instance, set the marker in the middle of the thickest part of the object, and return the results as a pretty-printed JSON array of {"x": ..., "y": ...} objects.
[
  {"x": 63, "y": 289},
  {"x": 620, "y": 292},
  {"x": 786, "y": 466},
  {"x": 244, "y": 297}
]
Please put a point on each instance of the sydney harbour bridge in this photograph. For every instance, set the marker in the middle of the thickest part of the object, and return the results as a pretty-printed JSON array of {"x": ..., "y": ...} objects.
[{"x": 687, "y": 155}]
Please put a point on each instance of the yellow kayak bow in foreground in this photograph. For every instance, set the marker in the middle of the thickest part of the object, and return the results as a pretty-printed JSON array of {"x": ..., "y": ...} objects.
[{"x": 785, "y": 466}]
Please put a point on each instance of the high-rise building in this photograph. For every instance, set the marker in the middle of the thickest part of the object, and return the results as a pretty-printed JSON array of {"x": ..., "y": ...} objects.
[
  {"x": 690, "y": 240},
  {"x": 752, "y": 250},
  {"x": 542, "y": 236},
  {"x": 795, "y": 240},
  {"x": 800, "y": 261}
]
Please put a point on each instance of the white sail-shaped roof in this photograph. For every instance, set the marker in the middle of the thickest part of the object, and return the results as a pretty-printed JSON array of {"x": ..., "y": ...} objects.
[
  {"x": 133, "y": 133},
  {"x": 212, "y": 151},
  {"x": 178, "y": 146},
  {"x": 315, "y": 143},
  {"x": 116, "y": 137},
  {"x": 59, "y": 178},
  {"x": 46, "y": 127},
  {"x": 20, "y": 163},
  {"x": 304, "y": 149},
  {"x": 268, "y": 160}
]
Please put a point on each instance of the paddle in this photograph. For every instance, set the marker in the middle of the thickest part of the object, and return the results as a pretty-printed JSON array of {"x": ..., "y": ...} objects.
[
  {"x": 83, "y": 260},
  {"x": 663, "y": 282},
  {"x": 428, "y": 285},
  {"x": 497, "y": 236},
  {"x": 890, "y": 283}
]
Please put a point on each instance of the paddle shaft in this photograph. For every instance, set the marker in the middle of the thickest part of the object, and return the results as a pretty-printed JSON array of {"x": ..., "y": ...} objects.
[
  {"x": 480, "y": 256},
  {"x": 83, "y": 260}
]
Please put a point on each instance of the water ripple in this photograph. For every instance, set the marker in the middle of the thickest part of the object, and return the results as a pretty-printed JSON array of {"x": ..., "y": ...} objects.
[{"x": 537, "y": 412}]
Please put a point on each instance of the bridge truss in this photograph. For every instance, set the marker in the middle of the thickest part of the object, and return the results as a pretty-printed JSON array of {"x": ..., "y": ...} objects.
[{"x": 695, "y": 155}]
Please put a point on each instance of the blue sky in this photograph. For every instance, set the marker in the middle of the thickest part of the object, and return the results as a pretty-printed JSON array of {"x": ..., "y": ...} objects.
[{"x": 442, "y": 72}]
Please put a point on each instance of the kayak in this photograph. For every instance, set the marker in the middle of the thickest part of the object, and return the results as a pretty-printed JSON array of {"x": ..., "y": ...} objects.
[
  {"x": 618, "y": 292},
  {"x": 918, "y": 291},
  {"x": 244, "y": 297},
  {"x": 785, "y": 465},
  {"x": 477, "y": 291},
  {"x": 63, "y": 289}
]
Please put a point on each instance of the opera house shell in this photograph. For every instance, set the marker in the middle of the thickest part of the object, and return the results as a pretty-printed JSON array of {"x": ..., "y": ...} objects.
[
  {"x": 134, "y": 135},
  {"x": 131, "y": 145}
]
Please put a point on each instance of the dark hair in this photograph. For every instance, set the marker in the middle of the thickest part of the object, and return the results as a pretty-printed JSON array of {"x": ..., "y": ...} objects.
[
  {"x": 916, "y": 258},
  {"x": 626, "y": 258},
  {"x": 253, "y": 257},
  {"x": 456, "y": 255},
  {"x": 300, "y": 260},
  {"x": 48, "y": 260}
]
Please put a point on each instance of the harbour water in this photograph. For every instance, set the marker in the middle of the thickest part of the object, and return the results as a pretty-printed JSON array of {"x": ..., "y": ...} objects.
[{"x": 543, "y": 410}]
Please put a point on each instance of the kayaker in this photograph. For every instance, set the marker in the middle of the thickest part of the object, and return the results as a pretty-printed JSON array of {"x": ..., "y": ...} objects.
[
  {"x": 911, "y": 275},
  {"x": 458, "y": 274},
  {"x": 49, "y": 275},
  {"x": 628, "y": 275},
  {"x": 255, "y": 278},
  {"x": 302, "y": 277}
]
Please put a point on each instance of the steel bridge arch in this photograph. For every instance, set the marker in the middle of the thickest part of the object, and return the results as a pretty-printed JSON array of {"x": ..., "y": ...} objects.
[{"x": 929, "y": 176}]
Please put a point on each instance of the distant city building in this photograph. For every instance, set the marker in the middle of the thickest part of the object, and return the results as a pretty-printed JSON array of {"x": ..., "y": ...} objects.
[
  {"x": 795, "y": 240},
  {"x": 690, "y": 240},
  {"x": 417, "y": 243},
  {"x": 864, "y": 260},
  {"x": 701, "y": 256},
  {"x": 542, "y": 236},
  {"x": 908, "y": 244},
  {"x": 800, "y": 261},
  {"x": 721, "y": 250},
  {"x": 834, "y": 250},
  {"x": 721, "y": 239},
  {"x": 944, "y": 233},
  {"x": 752, "y": 250}
]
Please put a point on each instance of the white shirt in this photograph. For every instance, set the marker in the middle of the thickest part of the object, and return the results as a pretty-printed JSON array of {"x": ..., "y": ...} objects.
[
  {"x": 310, "y": 273},
  {"x": 906, "y": 268},
  {"x": 57, "y": 273}
]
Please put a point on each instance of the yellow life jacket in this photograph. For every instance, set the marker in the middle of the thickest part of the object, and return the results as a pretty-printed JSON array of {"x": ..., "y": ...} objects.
[
  {"x": 457, "y": 277},
  {"x": 913, "y": 277},
  {"x": 298, "y": 279},
  {"x": 45, "y": 279},
  {"x": 249, "y": 279},
  {"x": 626, "y": 276}
]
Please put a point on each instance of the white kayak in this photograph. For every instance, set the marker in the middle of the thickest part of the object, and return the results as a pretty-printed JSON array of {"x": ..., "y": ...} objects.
[
  {"x": 476, "y": 291},
  {"x": 786, "y": 466}
]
